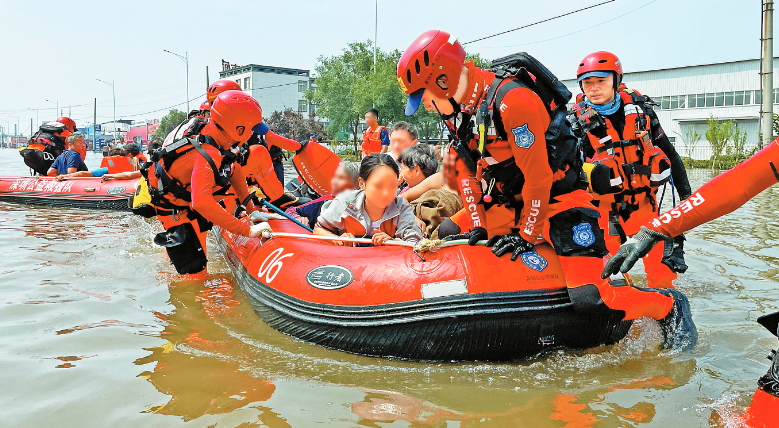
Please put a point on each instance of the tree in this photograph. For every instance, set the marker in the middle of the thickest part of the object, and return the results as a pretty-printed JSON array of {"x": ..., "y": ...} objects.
[
  {"x": 718, "y": 134},
  {"x": 170, "y": 121},
  {"x": 478, "y": 61},
  {"x": 292, "y": 124},
  {"x": 691, "y": 139},
  {"x": 739, "y": 137}
]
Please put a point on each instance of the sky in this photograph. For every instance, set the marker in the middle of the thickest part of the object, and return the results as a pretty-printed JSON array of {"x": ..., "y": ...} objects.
[{"x": 55, "y": 51}]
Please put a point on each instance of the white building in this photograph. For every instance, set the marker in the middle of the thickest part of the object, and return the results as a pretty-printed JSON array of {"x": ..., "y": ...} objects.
[
  {"x": 688, "y": 96},
  {"x": 276, "y": 88}
]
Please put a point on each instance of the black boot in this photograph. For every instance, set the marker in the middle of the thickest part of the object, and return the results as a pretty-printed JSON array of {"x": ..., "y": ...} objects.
[{"x": 679, "y": 330}]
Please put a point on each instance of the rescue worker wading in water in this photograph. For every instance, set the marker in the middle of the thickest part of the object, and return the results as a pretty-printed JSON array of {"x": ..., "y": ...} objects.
[
  {"x": 527, "y": 178},
  {"x": 189, "y": 176},
  {"x": 628, "y": 157}
]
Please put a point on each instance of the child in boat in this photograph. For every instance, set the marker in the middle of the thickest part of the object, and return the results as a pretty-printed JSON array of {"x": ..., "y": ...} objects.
[
  {"x": 345, "y": 178},
  {"x": 374, "y": 211}
]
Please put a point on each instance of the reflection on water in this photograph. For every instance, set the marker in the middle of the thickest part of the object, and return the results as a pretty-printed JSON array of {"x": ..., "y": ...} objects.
[{"x": 89, "y": 292}]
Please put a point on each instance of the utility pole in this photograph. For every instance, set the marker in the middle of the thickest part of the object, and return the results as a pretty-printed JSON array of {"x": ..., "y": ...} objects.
[
  {"x": 57, "y": 105},
  {"x": 186, "y": 61},
  {"x": 31, "y": 128},
  {"x": 207, "y": 83},
  {"x": 94, "y": 128},
  {"x": 767, "y": 113},
  {"x": 113, "y": 90},
  {"x": 375, "y": 34}
]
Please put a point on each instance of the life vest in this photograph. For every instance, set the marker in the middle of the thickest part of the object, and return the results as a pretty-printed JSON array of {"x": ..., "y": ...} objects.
[
  {"x": 636, "y": 166},
  {"x": 117, "y": 164},
  {"x": 169, "y": 193},
  {"x": 44, "y": 147},
  {"x": 353, "y": 226},
  {"x": 500, "y": 176},
  {"x": 371, "y": 140}
]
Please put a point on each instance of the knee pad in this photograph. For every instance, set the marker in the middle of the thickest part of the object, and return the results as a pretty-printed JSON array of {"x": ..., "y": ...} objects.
[{"x": 448, "y": 228}]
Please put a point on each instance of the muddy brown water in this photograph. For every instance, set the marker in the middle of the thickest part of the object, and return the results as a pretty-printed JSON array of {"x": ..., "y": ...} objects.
[{"x": 97, "y": 330}]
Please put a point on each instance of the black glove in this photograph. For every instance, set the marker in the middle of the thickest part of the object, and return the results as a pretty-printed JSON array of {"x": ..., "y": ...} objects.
[
  {"x": 633, "y": 249},
  {"x": 591, "y": 121},
  {"x": 302, "y": 147},
  {"x": 512, "y": 243},
  {"x": 673, "y": 254},
  {"x": 474, "y": 236}
]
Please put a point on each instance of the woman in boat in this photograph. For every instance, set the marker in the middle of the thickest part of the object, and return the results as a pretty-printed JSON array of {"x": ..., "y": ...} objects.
[{"x": 374, "y": 211}]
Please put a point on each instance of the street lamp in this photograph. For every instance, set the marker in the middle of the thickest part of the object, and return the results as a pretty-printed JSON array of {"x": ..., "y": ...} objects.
[
  {"x": 57, "y": 104},
  {"x": 113, "y": 90},
  {"x": 186, "y": 61}
]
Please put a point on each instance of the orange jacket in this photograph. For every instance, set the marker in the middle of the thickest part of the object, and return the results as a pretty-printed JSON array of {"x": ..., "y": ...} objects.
[
  {"x": 117, "y": 164},
  {"x": 373, "y": 140}
]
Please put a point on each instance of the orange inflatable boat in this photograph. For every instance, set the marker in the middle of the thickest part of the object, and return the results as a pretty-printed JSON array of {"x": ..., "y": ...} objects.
[
  {"x": 458, "y": 303},
  {"x": 78, "y": 192}
]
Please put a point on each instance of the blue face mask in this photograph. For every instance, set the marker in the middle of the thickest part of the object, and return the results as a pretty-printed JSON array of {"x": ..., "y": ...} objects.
[{"x": 605, "y": 109}]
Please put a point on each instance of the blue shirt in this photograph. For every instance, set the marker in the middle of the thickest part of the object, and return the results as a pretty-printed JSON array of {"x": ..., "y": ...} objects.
[
  {"x": 69, "y": 159},
  {"x": 384, "y": 135}
]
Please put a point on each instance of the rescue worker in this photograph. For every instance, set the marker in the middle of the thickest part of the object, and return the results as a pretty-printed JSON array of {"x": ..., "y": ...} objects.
[
  {"x": 375, "y": 139},
  {"x": 527, "y": 175},
  {"x": 188, "y": 178},
  {"x": 47, "y": 144},
  {"x": 197, "y": 119},
  {"x": 260, "y": 166},
  {"x": 621, "y": 136}
]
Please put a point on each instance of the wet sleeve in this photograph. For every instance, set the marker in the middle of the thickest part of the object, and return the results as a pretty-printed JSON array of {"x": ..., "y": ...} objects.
[
  {"x": 525, "y": 121},
  {"x": 384, "y": 135},
  {"x": 407, "y": 228},
  {"x": 274, "y": 139},
  {"x": 678, "y": 171},
  {"x": 99, "y": 172},
  {"x": 238, "y": 181},
  {"x": 203, "y": 198}
]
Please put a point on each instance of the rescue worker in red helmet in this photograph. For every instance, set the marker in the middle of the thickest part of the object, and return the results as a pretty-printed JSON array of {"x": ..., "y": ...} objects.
[
  {"x": 220, "y": 86},
  {"x": 524, "y": 179},
  {"x": 68, "y": 122},
  {"x": 189, "y": 177},
  {"x": 205, "y": 109},
  {"x": 630, "y": 157}
]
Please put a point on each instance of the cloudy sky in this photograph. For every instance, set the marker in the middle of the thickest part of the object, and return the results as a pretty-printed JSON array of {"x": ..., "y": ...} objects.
[{"x": 54, "y": 50}]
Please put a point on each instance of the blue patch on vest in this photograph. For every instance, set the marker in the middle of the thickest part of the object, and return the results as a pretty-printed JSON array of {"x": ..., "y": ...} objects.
[
  {"x": 524, "y": 138},
  {"x": 534, "y": 261},
  {"x": 583, "y": 235}
]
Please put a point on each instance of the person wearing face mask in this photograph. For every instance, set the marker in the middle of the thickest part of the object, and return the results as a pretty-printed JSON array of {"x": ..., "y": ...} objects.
[
  {"x": 189, "y": 177},
  {"x": 629, "y": 157},
  {"x": 374, "y": 211}
]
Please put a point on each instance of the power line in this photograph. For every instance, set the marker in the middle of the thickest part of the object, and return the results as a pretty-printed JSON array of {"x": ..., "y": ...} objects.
[
  {"x": 570, "y": 34},
  {"x": 542, "y": 21}
]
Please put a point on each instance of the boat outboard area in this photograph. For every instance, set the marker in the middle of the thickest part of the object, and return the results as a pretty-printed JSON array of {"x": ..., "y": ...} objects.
[{"x": 432, "y": 227}]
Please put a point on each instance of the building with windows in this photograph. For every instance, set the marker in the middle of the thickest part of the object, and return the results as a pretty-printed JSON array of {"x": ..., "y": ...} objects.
[
  {"x": 276, "y": 88},
  {"x": 688, "y": 96}
]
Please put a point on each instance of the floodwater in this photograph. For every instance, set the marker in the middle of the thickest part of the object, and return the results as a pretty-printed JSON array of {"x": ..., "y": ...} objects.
[{"x": 97, "y": 330}]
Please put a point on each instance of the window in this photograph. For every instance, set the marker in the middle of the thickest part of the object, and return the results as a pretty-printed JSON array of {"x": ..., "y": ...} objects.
[
  {"x": 312, "y": 108},
  {"x": 728, "y": 98},
  {"x": 672, "y": 139},
  {"x": 747, "y": 97},
  {"x": 302, "y": 86},
  {"x": 701, "y": 101},
  {"x": 682, "y": 100},
  {"x": 738, "y": 98},
  {"x": 709, "y": 100},
  {"x": 665, "y": 103},
  {"x": 246, "y": 85},
  {"x": 674, "y": 102},
  {"x": 238, "y": 81},
  {"x": 691, "y": 100},
  {"x": 776, "y": 96},
  {"x": 302, "y": 105},
  {"x": 719, "y": 99},
  {"x": 758, "y": 97}
]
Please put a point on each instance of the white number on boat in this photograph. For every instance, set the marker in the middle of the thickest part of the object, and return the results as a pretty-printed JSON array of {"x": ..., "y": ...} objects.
[{"x": 274, "y": 265}]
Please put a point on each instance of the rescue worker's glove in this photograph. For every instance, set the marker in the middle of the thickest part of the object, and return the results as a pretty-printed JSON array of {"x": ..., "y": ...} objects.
[
  {"x": 257, "y": 229},
  {"x": 634, "y": 248},
  {"x": 474, "y": 236},
  {"x": 512, "y": 243},
  {"x": 302, "y": 147},
  {"x": 591, "y": 121},
  {"x": 673, "y": 254}
]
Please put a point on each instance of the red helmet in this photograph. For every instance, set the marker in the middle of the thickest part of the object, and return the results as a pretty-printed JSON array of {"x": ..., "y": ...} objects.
[
  {"x": 69, "y": 123},
  {"x": 205, "y": 106},
  {"x": 432, "y": 55},
  {"x": 235, "y": 113},
  {"x": 220, "y": 86},
  {"x": 600, "y": 64}
]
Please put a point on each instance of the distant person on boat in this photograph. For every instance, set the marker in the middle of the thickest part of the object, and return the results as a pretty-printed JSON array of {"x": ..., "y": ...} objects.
[
  {"x": 376, "y": 138},
  {"x": 403, "y": 136},
  {"x": 72, "y": 159},
  {"x": 346, "y": 177},
  {"x": 106, "y": 149},
  {"x": 119, "y": 160},
  {"x": 132, "y": 150},
  {"x": 374, "y": 211},
  {"x": 433, "y": 205},
  {"x": 100, "y": 172},
  {"x": 629, "y": 157},
  {"x": 189, "y": 177},
  {"x": 520, "y": 175}
]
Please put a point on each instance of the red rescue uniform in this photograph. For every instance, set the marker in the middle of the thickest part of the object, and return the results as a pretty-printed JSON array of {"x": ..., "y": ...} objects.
[
  {"x": 525, "y": 120},
  {"x": 373, "y": 140},
  {"x": 259, "y": 165}
]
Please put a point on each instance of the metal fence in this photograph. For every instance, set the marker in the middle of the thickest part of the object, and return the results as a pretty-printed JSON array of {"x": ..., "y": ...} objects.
[{"x": 703, "y": 151}]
